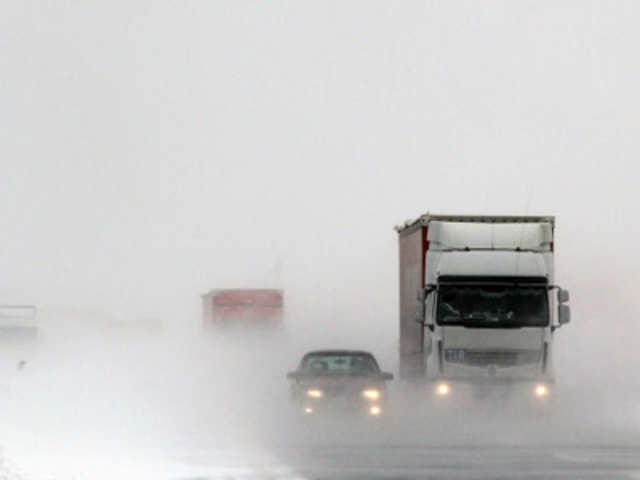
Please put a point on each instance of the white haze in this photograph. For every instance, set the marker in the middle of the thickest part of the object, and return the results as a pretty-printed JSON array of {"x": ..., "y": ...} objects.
[{"x": 151, "y": 151}]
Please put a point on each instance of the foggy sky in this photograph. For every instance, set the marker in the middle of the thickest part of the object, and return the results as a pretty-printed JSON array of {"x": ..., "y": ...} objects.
[{"x": 151, "y": 151}]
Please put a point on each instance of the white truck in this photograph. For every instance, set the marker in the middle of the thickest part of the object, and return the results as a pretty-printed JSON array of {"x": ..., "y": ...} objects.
[
  {"x": 478, "y": 302},
  {"x": 18, "y": 322}
]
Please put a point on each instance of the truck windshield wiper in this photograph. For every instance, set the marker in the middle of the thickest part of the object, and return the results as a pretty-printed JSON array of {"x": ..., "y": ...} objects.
[
  {"x": 490, "y": 325},
  {"x": 479, "y": 317}
]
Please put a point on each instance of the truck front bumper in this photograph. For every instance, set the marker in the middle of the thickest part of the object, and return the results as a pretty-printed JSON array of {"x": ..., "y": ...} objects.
[{"x": 536, "y": 391}]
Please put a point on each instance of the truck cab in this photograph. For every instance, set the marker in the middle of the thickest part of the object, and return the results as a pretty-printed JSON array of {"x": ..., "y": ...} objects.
[{"x": 484, "y": 307}]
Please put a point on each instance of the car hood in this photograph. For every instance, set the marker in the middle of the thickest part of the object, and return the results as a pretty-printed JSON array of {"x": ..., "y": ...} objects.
[{"x": 341, "y": 382}]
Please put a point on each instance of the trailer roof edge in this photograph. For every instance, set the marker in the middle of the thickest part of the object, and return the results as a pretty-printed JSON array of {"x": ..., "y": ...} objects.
[{"x": 411, "y": 225}]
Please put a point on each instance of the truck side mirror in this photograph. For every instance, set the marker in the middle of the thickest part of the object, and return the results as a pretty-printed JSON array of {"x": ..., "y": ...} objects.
[
  {"x": 563, "y": 295},
  {"x": 427, "y": 306},
  {"x": 424, "y": 293},
  {"x": 564, "y": 314},
  {"x": 428, "y": 310},
  {"x": 423, "y": 296}
]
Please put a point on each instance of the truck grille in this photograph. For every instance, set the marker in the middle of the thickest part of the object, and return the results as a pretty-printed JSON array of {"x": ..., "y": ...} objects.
[{"x": 483, "y": 358}]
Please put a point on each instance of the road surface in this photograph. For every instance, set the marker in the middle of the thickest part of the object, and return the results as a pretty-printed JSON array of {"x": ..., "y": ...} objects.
[{"x": 132, "y": 409}]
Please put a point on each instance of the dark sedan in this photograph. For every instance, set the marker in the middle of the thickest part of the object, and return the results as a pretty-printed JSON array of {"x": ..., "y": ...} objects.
[{"x": 339, "y": 380}]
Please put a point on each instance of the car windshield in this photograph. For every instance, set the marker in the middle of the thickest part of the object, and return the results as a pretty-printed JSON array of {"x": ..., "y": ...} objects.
[
  {"x": 339, "y": 363},
  {"x": 493, "y": 306}
]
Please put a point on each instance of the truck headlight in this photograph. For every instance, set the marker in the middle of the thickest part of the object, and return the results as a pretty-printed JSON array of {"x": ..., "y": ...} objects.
[
  {"x": 371, "y": 394},
  {"x": 443, "y": 389},
  {"x": 541, "y": 390},
  {"x": 314, "y": 393}
]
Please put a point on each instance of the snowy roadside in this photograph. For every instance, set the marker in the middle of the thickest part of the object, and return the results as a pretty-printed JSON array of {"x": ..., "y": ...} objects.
[
  {"x": 219, "y": 469},
  {"x": 9, "y": 471}
]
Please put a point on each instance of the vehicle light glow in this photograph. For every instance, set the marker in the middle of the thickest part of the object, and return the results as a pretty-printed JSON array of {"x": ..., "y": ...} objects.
[
  {"x": 314, "y": 393},
  {"x": 308, "y": 410},
  {"x": 371, "y": 394},
  {"x": 375, "y": 410},
  {"x": 541, "y": 390},
  {"x": 443, "y": 389}
]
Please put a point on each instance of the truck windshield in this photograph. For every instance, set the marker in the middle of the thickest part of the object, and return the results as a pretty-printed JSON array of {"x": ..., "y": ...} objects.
[{"x": 491, "y": 306}]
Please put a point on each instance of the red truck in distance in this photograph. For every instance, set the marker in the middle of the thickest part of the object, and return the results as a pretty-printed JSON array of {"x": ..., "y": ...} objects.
[{"x": 242, "y": 306}]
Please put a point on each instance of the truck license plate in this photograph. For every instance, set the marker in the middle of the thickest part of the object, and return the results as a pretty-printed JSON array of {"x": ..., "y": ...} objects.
[{"x": 454, "y": 355}]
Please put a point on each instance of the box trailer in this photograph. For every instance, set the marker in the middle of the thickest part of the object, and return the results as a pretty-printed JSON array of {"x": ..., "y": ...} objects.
[{"x": 222, "y": 307}]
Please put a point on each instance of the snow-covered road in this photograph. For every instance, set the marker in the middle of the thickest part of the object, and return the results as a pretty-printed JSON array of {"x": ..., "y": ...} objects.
[{"x": 183, "y": 409}]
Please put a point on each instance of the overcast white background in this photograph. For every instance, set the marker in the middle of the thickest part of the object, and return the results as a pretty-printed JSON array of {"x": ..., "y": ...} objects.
[{"x": 150, "y": 151}]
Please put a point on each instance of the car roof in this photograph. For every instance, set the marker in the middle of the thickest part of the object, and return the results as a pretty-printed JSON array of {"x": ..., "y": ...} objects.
[{"x": 338, "y": 352}]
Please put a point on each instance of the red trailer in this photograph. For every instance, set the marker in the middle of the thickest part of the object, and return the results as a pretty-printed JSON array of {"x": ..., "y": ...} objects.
[{"x": 250, "y": 305}]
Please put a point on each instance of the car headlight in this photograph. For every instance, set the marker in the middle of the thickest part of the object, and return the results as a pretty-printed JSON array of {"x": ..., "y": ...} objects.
[
  {"x": 371, "y": 394},
  {"x": 375, "y": 410},
  {"x": 541, "y": 390},
  {"x": 443, "y": 389},
  {"x": 314, "y": 393}
]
